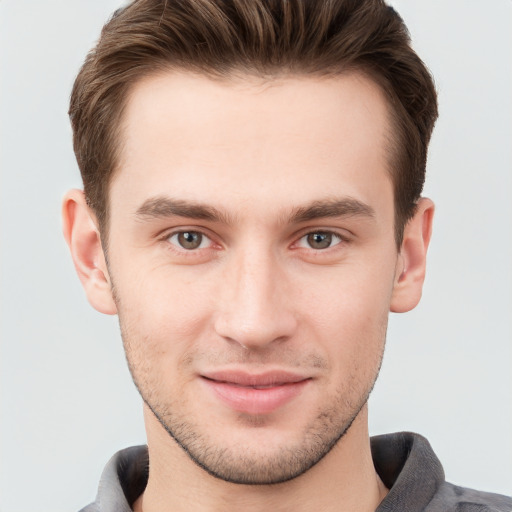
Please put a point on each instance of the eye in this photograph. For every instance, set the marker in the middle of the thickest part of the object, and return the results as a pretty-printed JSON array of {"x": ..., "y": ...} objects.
[
  {"x": 319, "y": 240},
  {"x": 189, "y": 240}
]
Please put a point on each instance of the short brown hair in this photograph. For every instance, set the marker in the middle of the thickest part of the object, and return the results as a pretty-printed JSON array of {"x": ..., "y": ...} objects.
[{"x": 264, "y": 37}]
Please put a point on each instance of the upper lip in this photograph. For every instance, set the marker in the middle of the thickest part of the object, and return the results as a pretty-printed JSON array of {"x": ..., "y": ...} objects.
[{"x": 244, "y": 378}]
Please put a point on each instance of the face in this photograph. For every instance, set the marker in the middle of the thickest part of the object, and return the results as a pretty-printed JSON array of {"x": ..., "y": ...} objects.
[{"x": 252, "y": 254}]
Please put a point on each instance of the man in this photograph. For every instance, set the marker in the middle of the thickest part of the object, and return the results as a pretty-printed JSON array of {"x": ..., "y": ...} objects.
[{"x": 252, "y": 211}]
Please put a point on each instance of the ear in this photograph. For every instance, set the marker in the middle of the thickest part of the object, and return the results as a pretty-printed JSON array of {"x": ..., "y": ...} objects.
[
  {"x": 411, "y": 263},
  {"x": 83, "y": 238}
]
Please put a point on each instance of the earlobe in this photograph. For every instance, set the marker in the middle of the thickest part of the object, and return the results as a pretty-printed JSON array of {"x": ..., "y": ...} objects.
[
  {"x": 83, "y": 238},
  {"x": 411, "y": 264}
]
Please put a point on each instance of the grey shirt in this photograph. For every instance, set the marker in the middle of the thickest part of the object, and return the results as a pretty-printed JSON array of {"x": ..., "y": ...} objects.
[{"x": 404, "y": 461}]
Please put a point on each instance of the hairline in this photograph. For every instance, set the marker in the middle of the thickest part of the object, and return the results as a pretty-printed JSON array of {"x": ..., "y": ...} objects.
[{"x": 241, "y": 74}]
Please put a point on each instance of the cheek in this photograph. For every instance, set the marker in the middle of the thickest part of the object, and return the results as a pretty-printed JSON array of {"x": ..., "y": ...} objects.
[
  {"x": 162, "y": 312},
  {"x": 349, "y": 296},
  {"x": 349, "y": 314}
]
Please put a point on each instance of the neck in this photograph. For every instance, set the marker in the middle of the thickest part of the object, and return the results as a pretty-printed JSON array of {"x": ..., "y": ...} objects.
[{"x": 344, "y": 480}]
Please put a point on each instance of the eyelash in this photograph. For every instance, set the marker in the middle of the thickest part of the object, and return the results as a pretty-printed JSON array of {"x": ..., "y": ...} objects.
[
  {"x": 190, "y": 232},
  {"x": 335, "y": 237},
  {"x": 179, "y": 249}
]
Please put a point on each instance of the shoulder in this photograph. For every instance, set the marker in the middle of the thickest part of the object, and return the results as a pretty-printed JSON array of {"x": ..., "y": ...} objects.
[
  {"x": 90, "y": 508},
  {"x": 409, "y": 468},
  {"x": 122, "y": 481},
  {"x": 454, "y": 498}
]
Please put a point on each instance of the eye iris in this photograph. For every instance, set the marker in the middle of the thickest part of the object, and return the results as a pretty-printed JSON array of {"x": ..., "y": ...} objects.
[
  {"x": 319, "y": 240},
  {"x": 190, "y": 239}
]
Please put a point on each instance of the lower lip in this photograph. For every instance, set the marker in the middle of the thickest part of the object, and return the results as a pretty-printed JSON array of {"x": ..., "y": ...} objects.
[{"x": 255, "y": 401}]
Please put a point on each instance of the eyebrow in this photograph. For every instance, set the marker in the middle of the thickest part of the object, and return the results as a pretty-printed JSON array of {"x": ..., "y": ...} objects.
[
  {"x": 164, "y": 207},
  {"x": 345, "y": 207}
]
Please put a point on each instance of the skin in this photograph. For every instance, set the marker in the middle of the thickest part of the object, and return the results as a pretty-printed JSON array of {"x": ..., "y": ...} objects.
[{"x": 286, "y": 186}]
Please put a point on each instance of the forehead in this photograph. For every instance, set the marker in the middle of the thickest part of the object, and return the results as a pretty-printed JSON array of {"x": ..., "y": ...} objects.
[{"x": 292, "y": 139}]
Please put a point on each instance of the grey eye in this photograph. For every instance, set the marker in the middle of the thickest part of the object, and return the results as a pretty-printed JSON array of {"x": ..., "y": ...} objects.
[
  {"x": 188, "y": 239},
  {"x": 319, "y": 240}
]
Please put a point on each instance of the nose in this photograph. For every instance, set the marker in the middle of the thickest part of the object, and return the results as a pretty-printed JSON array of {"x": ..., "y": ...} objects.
[{"x": 255, "y": 309}]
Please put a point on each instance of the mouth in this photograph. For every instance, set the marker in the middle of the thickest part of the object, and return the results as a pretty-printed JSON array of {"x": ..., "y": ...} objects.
[{"x": 255, "y": 393}]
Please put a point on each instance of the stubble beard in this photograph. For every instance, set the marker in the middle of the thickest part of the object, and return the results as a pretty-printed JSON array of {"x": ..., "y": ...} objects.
[{"x": 237, "y": 464}]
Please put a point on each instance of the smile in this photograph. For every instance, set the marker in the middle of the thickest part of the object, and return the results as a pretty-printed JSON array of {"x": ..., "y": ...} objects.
[{"x": 255, "y": 394}]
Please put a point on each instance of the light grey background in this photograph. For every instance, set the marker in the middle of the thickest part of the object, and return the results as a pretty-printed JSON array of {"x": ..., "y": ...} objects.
[{"x": 67, "y": 401}]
